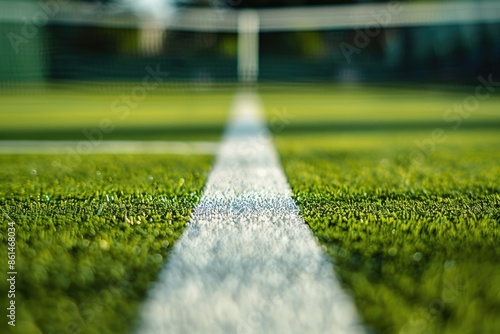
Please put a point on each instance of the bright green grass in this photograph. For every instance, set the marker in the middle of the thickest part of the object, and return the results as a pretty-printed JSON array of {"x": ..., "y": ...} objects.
[
  {"x": 416, "y": 242},
  {"x": 63, "y": 112},
  {"x": 418, "y": 245},
  {"x": 348, "y": 105},
  {"x": 90, "y": 240}
]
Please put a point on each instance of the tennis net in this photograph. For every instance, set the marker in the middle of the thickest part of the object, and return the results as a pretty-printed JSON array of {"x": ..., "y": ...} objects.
[{"x": 51, "y": 41}]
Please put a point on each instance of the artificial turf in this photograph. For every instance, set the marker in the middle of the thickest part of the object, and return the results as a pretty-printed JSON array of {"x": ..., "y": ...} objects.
[
  {"x": 90, "y": 240},
  {"x": 413, "y": 228},
  {"x": 93, "y": 230},
  {"x": 414, "y": 235},
  {"x": 67, "y": 112}
]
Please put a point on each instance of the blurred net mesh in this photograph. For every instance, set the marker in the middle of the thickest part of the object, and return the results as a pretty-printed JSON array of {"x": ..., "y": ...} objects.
[
  {"x": 416, "y": 54},
  {"x": 93, "y": 53},
  {"x": 100, "y": 49},
  {"x": 198, "y": 48}
]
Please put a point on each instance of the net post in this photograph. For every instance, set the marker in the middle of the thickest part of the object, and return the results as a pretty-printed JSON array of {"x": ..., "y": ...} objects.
[{"x": 248, "y": 47}]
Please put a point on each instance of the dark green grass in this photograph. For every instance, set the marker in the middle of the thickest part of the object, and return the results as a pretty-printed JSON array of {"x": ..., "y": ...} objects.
[
  {"x": 89, "y": 241},
  {"x": 415, "y": 238}
]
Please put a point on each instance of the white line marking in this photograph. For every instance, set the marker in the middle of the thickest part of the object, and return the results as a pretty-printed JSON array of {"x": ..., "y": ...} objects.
[
  {"x": 247, "y": 262},
  {"x": 105, "y": 147}
]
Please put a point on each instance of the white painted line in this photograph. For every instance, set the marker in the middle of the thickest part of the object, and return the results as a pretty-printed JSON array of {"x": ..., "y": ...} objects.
[
  {"x": 105, "y": 147},
  {"x": 247, "y": 262}
]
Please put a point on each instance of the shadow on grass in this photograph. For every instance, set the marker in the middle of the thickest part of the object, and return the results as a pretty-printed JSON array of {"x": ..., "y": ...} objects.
[
  {"x": 182, "y": 133},
  {"x": 363, "y": 126},
  {"x": 213, "y": 132}
]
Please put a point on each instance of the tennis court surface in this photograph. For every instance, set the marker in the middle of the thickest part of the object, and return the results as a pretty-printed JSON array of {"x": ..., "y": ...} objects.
[{"x": 231, "y": 169}]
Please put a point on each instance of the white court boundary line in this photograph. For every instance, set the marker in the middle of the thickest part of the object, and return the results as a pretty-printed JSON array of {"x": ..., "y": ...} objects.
[
  {"x": 106, "y": 147},
  {"x": 247, "y": 262}
]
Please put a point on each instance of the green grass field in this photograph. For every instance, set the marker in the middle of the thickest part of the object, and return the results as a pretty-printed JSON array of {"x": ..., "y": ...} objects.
[
  {"x": 62, "y": 113},
  {"x": 92, "y": 231},
  {"x": 414, "y": 230},
  {"x": 412, "y": 222},
  {"x": 90, "y": 241}
]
